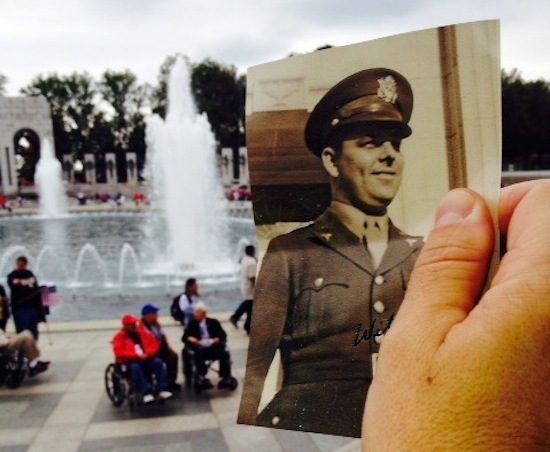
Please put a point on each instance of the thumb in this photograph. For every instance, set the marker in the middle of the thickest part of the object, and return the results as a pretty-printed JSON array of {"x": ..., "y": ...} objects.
[{"x": 451, "y": 271}]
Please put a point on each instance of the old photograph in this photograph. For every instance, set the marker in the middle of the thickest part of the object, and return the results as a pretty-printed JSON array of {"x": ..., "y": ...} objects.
[{"x": 350, "y": 150}]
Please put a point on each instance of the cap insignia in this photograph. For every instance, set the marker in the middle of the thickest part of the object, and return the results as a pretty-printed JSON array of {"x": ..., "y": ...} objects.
[{"x": 387, "y": 89}]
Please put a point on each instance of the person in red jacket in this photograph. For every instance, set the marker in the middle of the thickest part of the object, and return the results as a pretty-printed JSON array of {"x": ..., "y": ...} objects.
[{"x": 138, "y": 349}]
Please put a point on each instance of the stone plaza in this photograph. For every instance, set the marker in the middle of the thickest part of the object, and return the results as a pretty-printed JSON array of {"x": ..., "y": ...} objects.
[{"x": 66, "y": 409}]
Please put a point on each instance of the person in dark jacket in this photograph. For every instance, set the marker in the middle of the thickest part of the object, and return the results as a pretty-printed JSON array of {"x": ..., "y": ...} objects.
[
  {"x": 26, "y": 304},
  {"x": 206, "y": 339}
]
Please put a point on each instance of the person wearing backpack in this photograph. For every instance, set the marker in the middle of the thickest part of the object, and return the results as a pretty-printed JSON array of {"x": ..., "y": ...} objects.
[{"x": 187, "y": 301}]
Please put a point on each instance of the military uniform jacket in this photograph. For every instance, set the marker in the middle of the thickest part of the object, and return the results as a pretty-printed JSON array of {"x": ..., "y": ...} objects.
[{"x": 321, "y": 302}]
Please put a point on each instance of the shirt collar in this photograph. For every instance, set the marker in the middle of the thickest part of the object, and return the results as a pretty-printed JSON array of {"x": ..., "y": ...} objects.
[{"x": 355, "y": 220}]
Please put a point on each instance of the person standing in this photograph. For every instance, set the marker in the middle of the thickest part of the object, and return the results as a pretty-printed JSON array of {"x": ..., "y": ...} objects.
[
  {"x": 26, "y": 304},
  {"x": 327, "y": 293},
  {"x": 248, "y": 281}
]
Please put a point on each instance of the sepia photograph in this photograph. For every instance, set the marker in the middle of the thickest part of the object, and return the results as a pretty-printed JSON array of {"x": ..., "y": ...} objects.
[{"x": 350, "y": 150}]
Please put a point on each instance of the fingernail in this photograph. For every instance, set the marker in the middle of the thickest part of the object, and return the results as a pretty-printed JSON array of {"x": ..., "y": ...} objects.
[{"x": 454, "y": 207}]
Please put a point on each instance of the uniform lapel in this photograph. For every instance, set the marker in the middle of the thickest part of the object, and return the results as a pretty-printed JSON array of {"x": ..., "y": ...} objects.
[
  {"x": 400, "y": 247},
  {"x": 333, "y": 234}
]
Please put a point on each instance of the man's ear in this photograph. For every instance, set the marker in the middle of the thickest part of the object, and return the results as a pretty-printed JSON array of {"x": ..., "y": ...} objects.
[{"x": 328, "y": 156}]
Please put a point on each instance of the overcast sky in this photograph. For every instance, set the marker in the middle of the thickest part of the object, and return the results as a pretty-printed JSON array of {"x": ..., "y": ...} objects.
[{"x": 63, "y": 36}]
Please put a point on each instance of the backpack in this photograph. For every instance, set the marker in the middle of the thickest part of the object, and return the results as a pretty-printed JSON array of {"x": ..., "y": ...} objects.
[{"x": 175, "y": 310}]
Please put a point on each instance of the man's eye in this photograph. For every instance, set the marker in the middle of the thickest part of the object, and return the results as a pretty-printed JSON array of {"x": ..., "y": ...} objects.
[
  {"x": 396, "y": 144},
  {"x": 366, "y": 143}
]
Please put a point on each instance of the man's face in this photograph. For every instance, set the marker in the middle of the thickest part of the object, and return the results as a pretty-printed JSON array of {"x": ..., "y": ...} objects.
[
  {"x": 130, "y": 327},
  {"x": 21, "y": 265},
  {"x": 200, "y": 315},
  {"x": 369, "y": 172},
  {"x": 151, "y": 317}
]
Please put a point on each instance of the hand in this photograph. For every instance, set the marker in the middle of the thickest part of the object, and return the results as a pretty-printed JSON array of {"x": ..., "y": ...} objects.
[
  {"x": 193, "y": 340},
  {"x": 216, "y": 341},
  {"x": 463, "y": 371}
]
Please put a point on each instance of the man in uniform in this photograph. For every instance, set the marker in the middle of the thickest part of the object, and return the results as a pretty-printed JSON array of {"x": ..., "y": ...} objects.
[{"x": 328, "y": 292}]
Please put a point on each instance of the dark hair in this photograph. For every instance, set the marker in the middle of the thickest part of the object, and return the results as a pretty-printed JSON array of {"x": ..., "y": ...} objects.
[
  {"x": 249, "y": 250},
  {"x": 189, "y": 283},
  {"x": 22, "y": 259}
]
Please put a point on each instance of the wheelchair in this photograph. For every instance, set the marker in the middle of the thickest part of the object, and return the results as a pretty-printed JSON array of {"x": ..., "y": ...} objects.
[
  {"x": 119, "y": 386},
  {"x": 13, "y": 368},
  {"x": 192, "y": 377}
]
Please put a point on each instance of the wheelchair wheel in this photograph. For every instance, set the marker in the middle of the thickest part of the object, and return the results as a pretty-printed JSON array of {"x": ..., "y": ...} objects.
[
  {"x": 14, "y": 378},
  {"x": 232, "y": 384},
  {"x": 3, "y": 368},
  {"x": 15, "y": 370},
  {"x": 115, "y": 385}
]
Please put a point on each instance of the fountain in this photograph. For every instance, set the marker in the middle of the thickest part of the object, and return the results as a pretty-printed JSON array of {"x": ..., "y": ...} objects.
[
  {"x": 181, "y": 168},
  {"x": 48, "y": 178},
  {"x": 106, "y": 257}
]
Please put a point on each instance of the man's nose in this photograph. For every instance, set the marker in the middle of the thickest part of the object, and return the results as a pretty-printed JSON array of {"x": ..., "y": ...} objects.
[{"x": 388, "y": 152}]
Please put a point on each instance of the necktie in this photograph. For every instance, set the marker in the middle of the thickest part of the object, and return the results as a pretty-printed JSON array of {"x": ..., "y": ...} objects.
[{"x": 375, "y": 241}]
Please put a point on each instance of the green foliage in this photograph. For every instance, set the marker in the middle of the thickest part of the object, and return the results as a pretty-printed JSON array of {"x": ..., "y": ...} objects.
[
  {"x": 109, "y": 115},
  {"x": 220, "y": 93},
  {"x": 525, "y": 127},
  {"x": 159, "y": 94}
]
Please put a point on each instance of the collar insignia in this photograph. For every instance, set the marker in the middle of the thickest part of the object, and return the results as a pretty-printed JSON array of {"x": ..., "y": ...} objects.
[
  {"x": 411, "y": 242},
  {"x": 327, "y": 236}
]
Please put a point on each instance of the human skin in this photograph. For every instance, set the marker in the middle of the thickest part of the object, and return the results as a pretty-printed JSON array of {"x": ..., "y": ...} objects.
[
  {"x": 367, "y": 172},
  {"x": 460, "y": 370}
]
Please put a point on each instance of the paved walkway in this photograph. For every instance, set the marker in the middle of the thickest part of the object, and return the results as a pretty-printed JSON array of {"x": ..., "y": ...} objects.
[{"x": 66, "y": 409}]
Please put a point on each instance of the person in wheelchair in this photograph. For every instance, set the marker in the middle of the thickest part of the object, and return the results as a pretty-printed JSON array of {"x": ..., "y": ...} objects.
[
  {"x": 150, "y": 320},
  {"x": 138, "y": 349},
  {"x": 205, "y": 340},
  {"x": 25, "y": 343}
]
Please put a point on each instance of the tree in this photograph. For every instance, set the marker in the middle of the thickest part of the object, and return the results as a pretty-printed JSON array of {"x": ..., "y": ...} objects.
[
  {"x": 127, "y": 100},
  {"x": 73, "y": 109},
  {"x": 159, "y": 95},
  {"x": 221, "y": 93},
  {"x": 525, "y": 129}
]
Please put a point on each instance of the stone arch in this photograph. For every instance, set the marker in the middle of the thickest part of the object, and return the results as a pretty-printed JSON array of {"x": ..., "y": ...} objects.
[
  {"x": 26, "y": 144},
  {"x": 20, "y": 117}
]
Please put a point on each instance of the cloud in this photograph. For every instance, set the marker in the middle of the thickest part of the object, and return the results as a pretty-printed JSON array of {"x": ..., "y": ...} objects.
[{"x": 96, "y": 35}]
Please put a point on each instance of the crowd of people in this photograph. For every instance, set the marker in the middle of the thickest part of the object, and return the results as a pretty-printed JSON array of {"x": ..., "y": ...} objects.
[
  {"x": 142, "y": 346},
  {"x": 470, "y": 385}
]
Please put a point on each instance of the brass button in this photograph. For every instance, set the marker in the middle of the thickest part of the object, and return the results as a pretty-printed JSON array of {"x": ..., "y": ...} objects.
[
  {"x": 275, "y": 420},
  {"x": 379, "y": 307},
  {"x": 379, "y": 280},
  {"x": 319, "y": 282}
]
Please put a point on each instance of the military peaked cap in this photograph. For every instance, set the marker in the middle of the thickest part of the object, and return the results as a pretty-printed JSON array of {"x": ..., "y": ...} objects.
[{"x": 378, "y": 99}]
